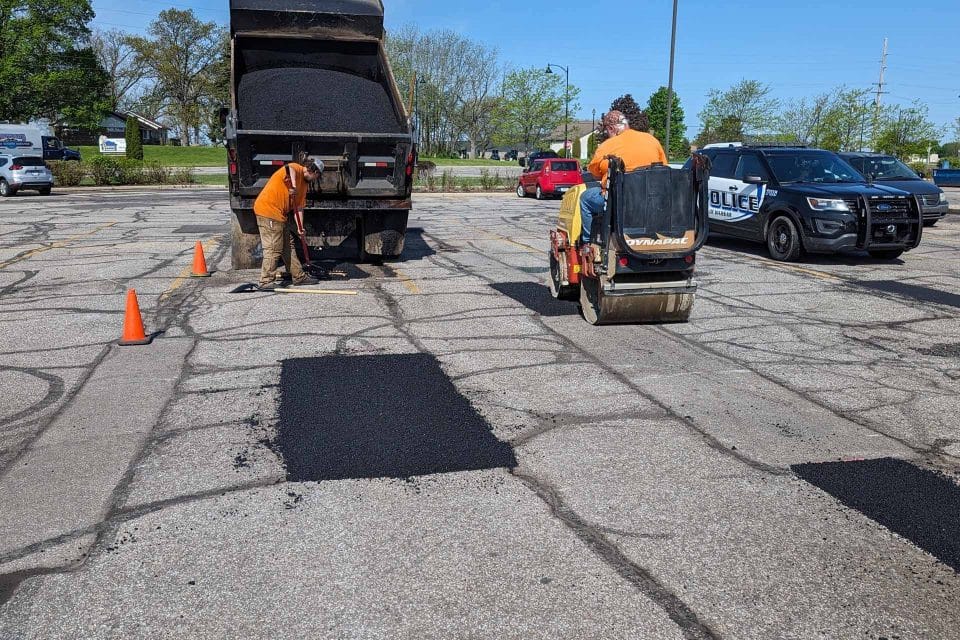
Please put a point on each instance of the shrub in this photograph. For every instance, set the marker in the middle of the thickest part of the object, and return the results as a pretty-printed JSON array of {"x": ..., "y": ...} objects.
[
  {"x": 130, "y": 172},
  {"x": 67, "y": 174},
  {"x": 104, "y": 170},
  {"x": 431, "y": 182},
  {"x": 134, "y": 141},
  {"x": 447, "y": 181},
  {"x": 156, "y": 173},
  {"x": 182, "y": 175}
]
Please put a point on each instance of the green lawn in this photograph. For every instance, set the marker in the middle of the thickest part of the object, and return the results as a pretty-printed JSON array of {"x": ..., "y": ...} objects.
[{"x": 173, "y": 156}]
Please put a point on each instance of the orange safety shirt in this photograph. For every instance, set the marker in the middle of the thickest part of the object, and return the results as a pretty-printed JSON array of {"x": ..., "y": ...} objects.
[
  {"x": 275, "y": 200},
  {"x": 636, "y": 149}
]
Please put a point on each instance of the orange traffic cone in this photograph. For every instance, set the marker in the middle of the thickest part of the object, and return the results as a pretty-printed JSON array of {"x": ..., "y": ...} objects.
[
  {"x": 199, "y": 263},
  {"x": 133, "y": 333}
]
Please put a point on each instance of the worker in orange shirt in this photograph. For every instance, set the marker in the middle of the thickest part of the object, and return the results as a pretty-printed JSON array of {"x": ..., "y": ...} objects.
[
  {"x": 636, "y": 149},
  {"x": 285, "y": 193}
]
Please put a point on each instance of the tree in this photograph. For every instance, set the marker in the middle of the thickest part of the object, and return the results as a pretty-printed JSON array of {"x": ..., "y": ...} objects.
[
  {"x": 798, "y": 123},
  {"x": 657, "y": 113},
  {"x": 121, "y": 64},
  {"x": 906, "y": 131},
  {"x": 577, "y": 150},
  {"x": 592, "y": 143},
  {"x": 745, "y": 108},
  {"x": 47, "y": 68},
  {"x": 473, "y": 97},
  {"x": 134, "y": 141},
  {"x": 532, "y": 107},
  {"x": 842, "y": 126},
  {"x": 181, "y": 56}
]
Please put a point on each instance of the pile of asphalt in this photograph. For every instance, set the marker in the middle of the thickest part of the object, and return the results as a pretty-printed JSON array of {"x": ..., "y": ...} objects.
[
  {"x": 389, "y": 416},
  {"x": 920, "y": 505},
  {"x": 300, "y": 99}
]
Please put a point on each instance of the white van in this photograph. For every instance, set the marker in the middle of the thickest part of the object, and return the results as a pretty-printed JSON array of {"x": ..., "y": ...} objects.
[{"x": 21, "y": 140}]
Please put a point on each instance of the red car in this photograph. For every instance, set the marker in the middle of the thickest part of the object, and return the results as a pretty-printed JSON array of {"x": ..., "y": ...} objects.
[{"x": 549, "y": 177}]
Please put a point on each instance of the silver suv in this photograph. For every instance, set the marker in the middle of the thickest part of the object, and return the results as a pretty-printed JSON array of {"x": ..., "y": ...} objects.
[{"x": 24, "y": 172}]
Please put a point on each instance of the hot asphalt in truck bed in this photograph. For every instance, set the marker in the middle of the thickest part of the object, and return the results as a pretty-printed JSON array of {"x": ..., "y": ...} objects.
[{"x": 300, "y": 99}]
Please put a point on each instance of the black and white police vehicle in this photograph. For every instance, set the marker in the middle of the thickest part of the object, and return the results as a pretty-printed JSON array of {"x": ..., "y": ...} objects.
[{"x": 799, "y": 199}]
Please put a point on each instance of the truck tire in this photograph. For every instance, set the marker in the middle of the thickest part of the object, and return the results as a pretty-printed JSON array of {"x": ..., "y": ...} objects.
[
  {"x": 245, "y": 251},
  {"x": 382, "y": 235}
]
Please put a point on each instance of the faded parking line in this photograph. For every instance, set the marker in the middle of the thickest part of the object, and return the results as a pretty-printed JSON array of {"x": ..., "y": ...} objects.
[{"x": 56, "y": 245}]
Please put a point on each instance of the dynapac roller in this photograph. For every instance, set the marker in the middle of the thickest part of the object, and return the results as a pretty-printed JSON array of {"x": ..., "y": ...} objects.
[{"x": 640, "y": 264}]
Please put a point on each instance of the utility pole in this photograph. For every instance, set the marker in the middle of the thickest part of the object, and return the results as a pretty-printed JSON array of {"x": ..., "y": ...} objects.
[
  {"x": 880, "y": 91},
  {"x": 673, "y": 48}
]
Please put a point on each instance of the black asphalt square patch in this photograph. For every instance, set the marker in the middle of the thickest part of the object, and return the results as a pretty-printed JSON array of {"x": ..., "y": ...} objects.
[
  {"x": 384, "y": 416},
  {"x": 918, "y": 504}
]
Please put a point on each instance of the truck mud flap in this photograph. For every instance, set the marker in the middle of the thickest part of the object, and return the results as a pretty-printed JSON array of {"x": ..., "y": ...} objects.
[{"x": 383, "y": 233}]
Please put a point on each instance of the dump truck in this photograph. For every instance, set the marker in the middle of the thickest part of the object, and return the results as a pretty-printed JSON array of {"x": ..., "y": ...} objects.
[{"x": 311, "y": 76}]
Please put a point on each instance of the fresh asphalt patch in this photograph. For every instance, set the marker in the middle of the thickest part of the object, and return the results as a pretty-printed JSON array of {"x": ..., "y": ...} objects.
[
  {"x": 918, "y": 504},
  {"x": 385, "y": 416},
  {"x": 537, "y": 298},
  {"x": 912, "y": 291}
]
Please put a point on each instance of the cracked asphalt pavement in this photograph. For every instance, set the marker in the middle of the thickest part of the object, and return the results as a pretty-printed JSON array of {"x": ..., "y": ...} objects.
[{"x": 452, "y": 454}]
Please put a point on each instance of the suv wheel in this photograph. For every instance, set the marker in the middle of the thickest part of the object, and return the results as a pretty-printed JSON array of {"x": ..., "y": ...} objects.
[
  {"x": 539, "y": 193},
  {"x": 520, "y": 192},
  {"x": 783, "y": 239},
  {"x": 5, "y": 189},
  {"x": 886, "y": 254}
]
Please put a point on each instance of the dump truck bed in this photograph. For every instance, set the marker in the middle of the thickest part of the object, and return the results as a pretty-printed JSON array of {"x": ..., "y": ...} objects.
[{"x": 352, "y": 19}]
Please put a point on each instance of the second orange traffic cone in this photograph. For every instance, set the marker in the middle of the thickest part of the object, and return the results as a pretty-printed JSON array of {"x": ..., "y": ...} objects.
[
  {"x": 133, "y": 333},
  {"x": 199, "y": 263}
]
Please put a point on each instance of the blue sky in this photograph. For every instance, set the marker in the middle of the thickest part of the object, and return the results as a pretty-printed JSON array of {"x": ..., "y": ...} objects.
[{"x": 612, "y": 48}]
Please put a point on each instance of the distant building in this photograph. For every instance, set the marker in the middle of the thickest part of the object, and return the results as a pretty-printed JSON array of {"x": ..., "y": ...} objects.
[
  {"x": 114, "y": 125},
  {"x": 579, "y": 129}
]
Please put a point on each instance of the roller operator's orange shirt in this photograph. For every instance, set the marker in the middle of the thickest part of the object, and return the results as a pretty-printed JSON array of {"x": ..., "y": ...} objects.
[
  {"x": 275, "y": 200},
  {"x": 636, "y": 149}
]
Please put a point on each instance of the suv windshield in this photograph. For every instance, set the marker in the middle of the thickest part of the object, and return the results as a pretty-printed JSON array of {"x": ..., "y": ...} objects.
[
  {"x": 29, "y": 162},
  {"x": 811, "y": 166},
  {"x": 884, "y": 168}
]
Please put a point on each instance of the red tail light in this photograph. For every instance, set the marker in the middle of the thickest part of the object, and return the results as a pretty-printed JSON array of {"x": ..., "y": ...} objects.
[
  {"x": 16, "y": 167},
  {"x": 624, "y": 262},
  {"x": 233, "y": 168},
  {"x": 410, "y": 164},
  {"x": 689, "y": 259}
]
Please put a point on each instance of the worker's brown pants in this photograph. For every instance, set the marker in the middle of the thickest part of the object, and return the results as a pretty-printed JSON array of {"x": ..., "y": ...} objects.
[{"x": 277, "y": 243}]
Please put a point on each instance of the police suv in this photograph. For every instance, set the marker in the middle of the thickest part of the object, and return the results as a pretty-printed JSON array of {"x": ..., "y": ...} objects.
[{"x": 795, "y": 199}]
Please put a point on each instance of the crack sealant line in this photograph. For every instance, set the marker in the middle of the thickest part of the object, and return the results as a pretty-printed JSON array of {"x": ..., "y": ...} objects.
[{"x": 56, "y": 245}]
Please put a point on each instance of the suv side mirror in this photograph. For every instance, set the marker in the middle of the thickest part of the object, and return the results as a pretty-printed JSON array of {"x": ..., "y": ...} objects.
[
  {"x": 754, "y": 180},
  {"x": 922, "y": 174}
]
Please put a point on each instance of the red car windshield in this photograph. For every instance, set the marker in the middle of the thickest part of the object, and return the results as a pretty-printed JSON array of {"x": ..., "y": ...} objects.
[{"x": 564, "y": 165}]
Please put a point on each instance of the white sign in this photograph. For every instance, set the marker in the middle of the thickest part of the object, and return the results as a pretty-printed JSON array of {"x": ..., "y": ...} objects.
[{"x": 113, "y": 145}]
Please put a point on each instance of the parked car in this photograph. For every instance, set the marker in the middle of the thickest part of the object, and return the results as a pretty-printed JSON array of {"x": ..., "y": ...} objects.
[
  {"x": 510, "y": 155},
  {"x": 889, "y": 171},
  {"x": 536, "y": 155},
  {"x": 24, "y": 172},
  {"x": 796, "y": 199},
  {"x": 549, "y": 177},
  {"x": 53, "y": 149},
  {"x": 494, "y": 155}
]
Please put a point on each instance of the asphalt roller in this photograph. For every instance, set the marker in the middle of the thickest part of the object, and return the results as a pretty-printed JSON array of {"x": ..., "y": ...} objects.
[{"x": 640, "y": 266}]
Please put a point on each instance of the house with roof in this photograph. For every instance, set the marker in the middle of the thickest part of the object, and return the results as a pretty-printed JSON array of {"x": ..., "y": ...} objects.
[
  {"x": 114, "y": 125},
  {"x": 577, "y": 130}
]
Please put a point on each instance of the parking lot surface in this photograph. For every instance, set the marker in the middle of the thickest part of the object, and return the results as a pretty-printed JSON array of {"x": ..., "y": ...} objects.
[{"x": 452, "y": 454}]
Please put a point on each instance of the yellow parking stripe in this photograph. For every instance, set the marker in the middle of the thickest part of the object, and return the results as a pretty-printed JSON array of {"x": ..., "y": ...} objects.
[
  {"x": 184, "y": 275},
  {"x": 56, "y": 245}
]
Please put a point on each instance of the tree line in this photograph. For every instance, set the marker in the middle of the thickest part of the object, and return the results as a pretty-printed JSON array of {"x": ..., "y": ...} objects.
[
  {"x": 842, "y": 119},
  {"x": 53, "y": 66}
]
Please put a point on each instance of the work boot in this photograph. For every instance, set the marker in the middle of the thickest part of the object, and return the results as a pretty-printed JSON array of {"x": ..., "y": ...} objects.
[
  {"x": 306, "y": 281},
  {"x": 270, "y": 286}
]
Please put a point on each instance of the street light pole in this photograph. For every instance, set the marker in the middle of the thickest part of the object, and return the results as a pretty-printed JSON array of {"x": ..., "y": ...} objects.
[
  {"x": 566, "y": 104},
  {"x": 673, "y": 48}
]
